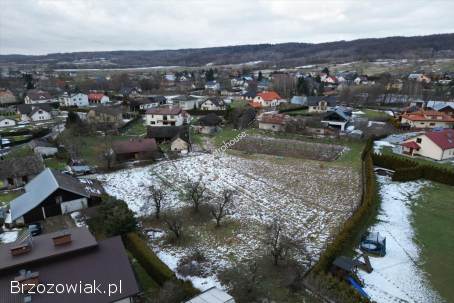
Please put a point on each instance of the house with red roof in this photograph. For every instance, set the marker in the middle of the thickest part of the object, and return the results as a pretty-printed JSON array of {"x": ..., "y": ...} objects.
[
  {"x": 267, "y": 99},
  {"x": 437, "y": 145},
  {"x": 273, "y": 121},
  {"x": 98, "y": 98},
  {"x": 427, "y": 119}
]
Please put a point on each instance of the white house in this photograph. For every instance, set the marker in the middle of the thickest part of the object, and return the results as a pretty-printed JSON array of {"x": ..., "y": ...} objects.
[
  {"x": 79, "y": 100},
  {"x": 166, "y": 116},
  {"x": 427, "y": 119},
  {"x": 321, "y": 104},
  {"x": 212, "y": 85},
  {"x": 39, "y": 114},
  {"x": 98, "y": 98},
  {"x": 437, "y": 145},
  {"x": 7, "y": 122},
  {"x": 35, "y": 96},
  {"x": 213, "y": 104},
  {"x": 267, "y": 99}
]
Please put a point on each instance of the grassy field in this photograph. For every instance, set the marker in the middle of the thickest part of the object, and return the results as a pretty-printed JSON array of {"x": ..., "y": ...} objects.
[
  {"x": 136, "y": 128},
  {"x": 55, "y": 163},
  {"x": 433, "y": 221},
  {"x": 375, "y": 114},
  {"x": 7, "y": 197}
]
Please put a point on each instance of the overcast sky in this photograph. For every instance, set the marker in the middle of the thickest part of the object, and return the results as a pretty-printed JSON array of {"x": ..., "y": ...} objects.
[{"x": 44, "y": 26}]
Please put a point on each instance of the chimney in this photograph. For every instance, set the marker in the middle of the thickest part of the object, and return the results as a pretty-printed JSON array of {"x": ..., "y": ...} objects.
[
  {"x": 20, "y": 249},
  {"x": 62, "y": 239},
  {"x": 27, "y": 278}
]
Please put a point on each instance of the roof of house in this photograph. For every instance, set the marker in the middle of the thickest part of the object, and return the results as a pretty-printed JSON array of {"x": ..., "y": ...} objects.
[
  {"x": 210, "y": 120},
  {"x": 36, "y": 94},
  {"x": 168, "y": 132},
  {"x": 439, "y": 105},
  {"x": 427, "y": 116},
  {"x": 273, "y": 118},
  {"x": 95, "y": 96},
  {"x": 336, "y": 112},
  {"x": 443, "y": 138},
  {"x": 314, "y": 100},
  {"x": 134, "y": 146},
  {"x": 6, "y": 118},
  {"x": 37, "y": 109},
  {"x": 269, "y": 96},
  {"x": 108, "y": 110},
  {"x": 19, "y": 167},
  {"x": 344, "y": 263},
  {"x": 184, "y": 98},
  {"x": 216, "y": 101},
  {"x": 165, "y": 110},
  {"x": 40, "y": 187},
  {"x": 26, "y": 109},
  {"x": 250, "y": 94},
  {"x": 212, "y": 295},
  {"x": 298, "y": 100},
  {"x": 89, "y": 261}
]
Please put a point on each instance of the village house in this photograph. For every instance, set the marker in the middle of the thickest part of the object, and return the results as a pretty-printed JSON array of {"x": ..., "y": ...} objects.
[
  {"x": 273, "y": 121},
  {"x": 208, "y": 124},
  {"x": 419, "y": 78},
  {"x": 52, "y": 193},
  {"x": 336, "y": 118},
  {"x": 214, "y": 103},
  {"x": 18, "y": 171},
  {"x": 106, "y": 115},
  {"x": 178, "y": 144},
  {"x": 135, "y": 149},
  {"x": 98, "y": 98},
  {"x": 166, "y": 116},
  {"x": 7, "y": 98},
  {"x": 249, "y": 95},
  {"x": 437, "y": 145},
  {"x": 167, "y": 133},
  {"x": 35, "y": 96},
  {"x": 212, "y": 86},
  {"x": 186, "y": 102},
  {"x": 7, "y": 122},
  {"x": 321, "y": 104},
  {"x": 427, "y": 119},
  {"x": 35, "y": 112},
  {"x": 67, "y": 257},
  {"x": 267, "y": 99},
  {"x": 43, "y": 148},
  {"x": 78, "y": 99},
  {"x": 441, "y": 106}
]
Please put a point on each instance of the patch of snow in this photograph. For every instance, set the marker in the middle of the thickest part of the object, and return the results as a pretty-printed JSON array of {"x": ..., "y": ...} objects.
[
  {"x": 358, "y": 112},
  {"x": 9, "y": 236},
  {"x": 78, "y": 219},
  {"x": 397, "y": 277},
  {"x": 379, "y": 144}
]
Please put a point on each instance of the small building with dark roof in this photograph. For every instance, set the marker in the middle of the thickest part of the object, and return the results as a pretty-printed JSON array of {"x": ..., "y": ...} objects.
[
  {"x": 166, "y": 133},
  {"x": 321, "y": 104},
  {"x": 135, "y": 149},
  {"x": 52, "y": 193},
  {"x": 69, "y": 257},
  {"x": 208, "y": 124},
  {"x": 18, "y": 171}
]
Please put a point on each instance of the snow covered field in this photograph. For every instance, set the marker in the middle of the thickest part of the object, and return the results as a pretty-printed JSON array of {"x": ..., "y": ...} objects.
[
  {"x": 397, "y": 276},
  {"x": 311, "y": 199}
]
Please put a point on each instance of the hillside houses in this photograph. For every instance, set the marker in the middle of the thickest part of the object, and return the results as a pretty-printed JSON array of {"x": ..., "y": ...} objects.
[{"x": 427, "y": 119}]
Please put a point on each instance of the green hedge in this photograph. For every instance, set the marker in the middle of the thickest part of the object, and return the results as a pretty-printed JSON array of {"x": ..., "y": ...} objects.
[
  {"x": 148, "y": 259},
  {"x": 408, "y": 169}
]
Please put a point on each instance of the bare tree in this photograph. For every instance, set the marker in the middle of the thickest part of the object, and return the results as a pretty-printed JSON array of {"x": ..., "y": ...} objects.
[
  {"x": 108, "y": 154},
  {"x": 278, "y": 244},
  {"x": 196, "y": 193},
  {"x": 158, "y": 195},
  {"x": 174, "y": 224},
  {"x": 221, "y": 207}
]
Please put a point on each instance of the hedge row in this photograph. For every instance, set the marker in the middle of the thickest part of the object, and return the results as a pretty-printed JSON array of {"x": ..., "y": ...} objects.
[
  {"x": 154, "y": 266},
  {"x": 408, "y": 169},
  {"x": 148, "y": 259}
]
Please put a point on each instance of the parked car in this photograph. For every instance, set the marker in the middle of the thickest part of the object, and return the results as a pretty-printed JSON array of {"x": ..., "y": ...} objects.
[{"x": 35, "y": 229}]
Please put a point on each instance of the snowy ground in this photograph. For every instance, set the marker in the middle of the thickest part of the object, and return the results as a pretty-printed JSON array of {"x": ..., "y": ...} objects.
[
  {"x": 309, "y": 198},
  {"x": 397, "y": 276},
  {"x": 8, "y": 236}
]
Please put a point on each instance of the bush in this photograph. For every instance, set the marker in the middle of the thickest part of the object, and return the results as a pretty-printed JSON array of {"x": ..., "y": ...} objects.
[{"x": 148, "y": 259}]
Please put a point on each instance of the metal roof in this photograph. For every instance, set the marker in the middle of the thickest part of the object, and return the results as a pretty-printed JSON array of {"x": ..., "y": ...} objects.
[{"x": 40, "y": 187}]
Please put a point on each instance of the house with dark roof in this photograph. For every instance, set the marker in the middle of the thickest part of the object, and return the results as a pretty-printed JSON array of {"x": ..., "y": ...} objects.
[
  {"x": 111, "y": 115},
  {"x": 18, "y": 171},
  {"x": 213, "y": 103},
  {"x": 437, "y": 145},
  {"x": 208, "y": 124},
  {"x": 7, "y": 122},
  {"x": 34, "y": 112},
  {"x": 69, "y": 257},
  {"x": 36, "y": 96},
  {"x": 186, "y": 102},
  {"x": 249, "y": 95},
  {"x": 321, "y": 104},
  {"x": 166, "y": 133},
  {"x": 135, "y": 149},
  {"x": 166, "y": 116},
  {"x": 336, "y": 118},
  {"x": 52, "y": 193}
]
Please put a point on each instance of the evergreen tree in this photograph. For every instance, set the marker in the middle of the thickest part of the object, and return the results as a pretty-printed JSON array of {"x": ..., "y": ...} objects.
[
  {"x": 260, "y": 76},
  {"x": 210, "y": 75}
]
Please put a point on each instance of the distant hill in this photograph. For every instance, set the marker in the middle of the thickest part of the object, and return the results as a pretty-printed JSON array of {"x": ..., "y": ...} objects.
[{"x": 284, "y": 54}]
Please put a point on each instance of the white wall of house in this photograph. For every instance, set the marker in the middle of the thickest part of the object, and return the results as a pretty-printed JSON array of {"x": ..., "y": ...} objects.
[
  {"x": 321, "y": 107},
  {"x": 337, "y": 124},
  {"x": 79, "y": 100},
  {"x": 70, "y": 206},
  {"x": 427, "y": 123},
  {"x": 428, "y": 148},
  {"x": 164, "y": 120},
  {"x": 41, "y": 115},
  {"x": 7, "y": 122},
  {"x": 263, "y": 103},
  {"x": 208, "y": 105}
]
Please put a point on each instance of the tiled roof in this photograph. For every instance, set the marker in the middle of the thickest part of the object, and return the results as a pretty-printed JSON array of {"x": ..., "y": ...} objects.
[
  {"x": 411, "y": 144},
  {"x": 269, "y": 96},
  {"x": 428, "y": 116},
  {"x": 273, "y": 118},
  {"x": 95, "y": 96},
  {"x": 444, "y": 138},
  {"x": 134, "y": 146},
  {"x": 168, "y": 110}
]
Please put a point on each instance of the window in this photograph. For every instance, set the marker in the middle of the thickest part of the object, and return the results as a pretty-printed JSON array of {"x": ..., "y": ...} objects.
[
  {"x": 58, "y": 199},
  {"x": 418, "y": 140},
  {"x": 152, "y": 122},
  {"x": 432, "y": 124}
]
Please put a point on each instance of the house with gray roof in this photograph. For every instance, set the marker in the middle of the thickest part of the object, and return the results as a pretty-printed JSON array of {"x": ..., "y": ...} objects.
[
  {"x": 212, "y": 295},
  {"x": 336, "y": 118},
  {"x": 321, "y": 104},
  {"x": 52, "y": 193}
]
